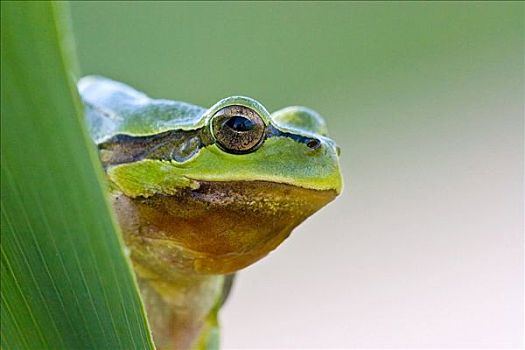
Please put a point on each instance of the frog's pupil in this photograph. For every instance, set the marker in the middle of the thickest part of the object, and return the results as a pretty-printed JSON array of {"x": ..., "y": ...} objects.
[{"x": 239, "y": 123}]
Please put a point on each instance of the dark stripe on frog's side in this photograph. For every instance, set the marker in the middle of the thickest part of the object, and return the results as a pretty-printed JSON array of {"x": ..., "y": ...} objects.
[{"x": 177, "y": 145}]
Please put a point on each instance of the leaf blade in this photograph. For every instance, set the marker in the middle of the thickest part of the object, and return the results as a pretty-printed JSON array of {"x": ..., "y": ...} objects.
[{"x": 65, "y": 279}]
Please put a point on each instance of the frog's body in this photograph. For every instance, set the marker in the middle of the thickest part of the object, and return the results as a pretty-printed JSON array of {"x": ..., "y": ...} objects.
[{"x": 201, "y": 193}]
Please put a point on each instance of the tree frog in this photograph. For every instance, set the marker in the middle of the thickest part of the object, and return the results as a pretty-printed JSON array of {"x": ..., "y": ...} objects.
[{"x": 202, "y": 193}]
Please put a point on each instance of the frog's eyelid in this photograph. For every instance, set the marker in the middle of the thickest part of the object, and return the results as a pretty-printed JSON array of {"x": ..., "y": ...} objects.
[{"x": 238, "y": 101}]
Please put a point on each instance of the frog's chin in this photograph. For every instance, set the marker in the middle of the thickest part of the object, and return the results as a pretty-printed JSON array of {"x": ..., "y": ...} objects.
[{"x": 219, "y": 228}]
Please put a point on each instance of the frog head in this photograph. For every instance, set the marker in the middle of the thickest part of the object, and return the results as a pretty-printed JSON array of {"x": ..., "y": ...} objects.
[{"x": 211, "y": 191}]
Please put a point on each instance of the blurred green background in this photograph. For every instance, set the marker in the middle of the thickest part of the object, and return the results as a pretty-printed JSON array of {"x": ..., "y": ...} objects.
[{"x": 425, "y": 246}]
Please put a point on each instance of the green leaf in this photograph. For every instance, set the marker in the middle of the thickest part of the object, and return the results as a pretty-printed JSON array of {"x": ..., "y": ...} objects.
[{"x": 66, "y": 283}]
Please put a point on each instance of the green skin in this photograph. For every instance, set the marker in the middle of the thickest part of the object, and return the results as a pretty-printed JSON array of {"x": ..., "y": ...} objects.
[{"x": 198, "y": 197}]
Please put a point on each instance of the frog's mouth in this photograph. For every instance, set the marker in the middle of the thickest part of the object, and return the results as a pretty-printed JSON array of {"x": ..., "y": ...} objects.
[{"x": 220, "y": 227}]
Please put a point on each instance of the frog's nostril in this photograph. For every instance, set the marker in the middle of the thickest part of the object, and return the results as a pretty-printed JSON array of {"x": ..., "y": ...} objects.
[
  {"x": 338, "y": 150},
  {"x": 313, "y": 143}
]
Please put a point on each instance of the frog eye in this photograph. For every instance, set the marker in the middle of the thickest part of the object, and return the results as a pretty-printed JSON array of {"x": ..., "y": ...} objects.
[{"x": 238, "y": 129}]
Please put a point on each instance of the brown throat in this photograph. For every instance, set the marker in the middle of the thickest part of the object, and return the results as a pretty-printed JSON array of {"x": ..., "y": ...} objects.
[{"x": 218, "y": 228}]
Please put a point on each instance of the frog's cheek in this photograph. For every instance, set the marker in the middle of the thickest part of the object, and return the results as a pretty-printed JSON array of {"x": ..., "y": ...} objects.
[
  {"x": 220, "y": 227},
  {"x": 279, "y": 159}
]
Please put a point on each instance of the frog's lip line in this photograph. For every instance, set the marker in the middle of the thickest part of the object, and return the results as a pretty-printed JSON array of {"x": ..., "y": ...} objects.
[{"x": 337, "y": 190}]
